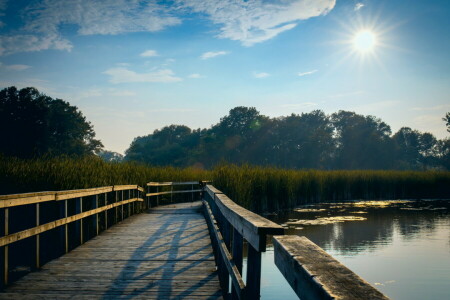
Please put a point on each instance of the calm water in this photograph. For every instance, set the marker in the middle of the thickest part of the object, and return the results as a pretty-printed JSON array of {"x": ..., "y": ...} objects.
[{"x": 400, "y": 247}]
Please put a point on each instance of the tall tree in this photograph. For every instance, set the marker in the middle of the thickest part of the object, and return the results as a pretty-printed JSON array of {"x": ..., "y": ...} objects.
[
  {"x": 446, "y": 119},
  {"x": 34, "y": 124}
]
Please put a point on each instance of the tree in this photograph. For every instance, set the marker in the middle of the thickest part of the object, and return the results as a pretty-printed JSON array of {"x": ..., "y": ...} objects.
[
  {"x": 446, "y": 119},
  {"x": 33, "y": 124},
  {"x": 363, "y": 142},
  {"x": 110, "y": 156}
]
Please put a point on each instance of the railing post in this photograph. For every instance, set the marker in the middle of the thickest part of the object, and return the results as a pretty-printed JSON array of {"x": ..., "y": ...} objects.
[
  {"x": 171, "y": 193},
  {"x": 37, "y": 263},
  {"x": 253, "y": 273},
  {"x": 157, "y": 196},
  {"x": 66, "y": 228},
  {"x": 79, "y": 226},
  {"x": 106, "y": 211},
  {"x": 129, "y": 203},
  {"x": 192, "y": 193},
  {"x": 121, "y": 206},
  {"x": 4, "y": 259},
  {"x": 237, "y": 249},
  {"x": 96, "y": 217},
  {"x": 116, "y": 218}
]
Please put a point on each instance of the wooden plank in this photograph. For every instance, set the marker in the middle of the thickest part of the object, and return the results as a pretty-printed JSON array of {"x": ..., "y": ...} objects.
[
  {"x": 24, "y": 199},
  {"x": 238, "y": 283},
  {"x": 251, "y": 226},
  {"x": 124, "y": 187},
  {"x": 211, "y": 190},
  {"x": 164, "y": 256},
  {"x": 314, "y": 274},
  {"x": 6, "y": 240},
  {"x": 172, "y": 183},
  {"x": 62, "y": 195},
  {"x": 172, "y": 192}
]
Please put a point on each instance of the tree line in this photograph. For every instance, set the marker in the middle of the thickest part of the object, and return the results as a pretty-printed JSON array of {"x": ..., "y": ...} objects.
[
  {"x": 314, "y": 140},
  {"x": 34, "y": 125}
]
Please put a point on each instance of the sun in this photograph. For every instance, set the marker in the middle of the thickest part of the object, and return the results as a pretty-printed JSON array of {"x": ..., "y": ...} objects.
[{"x": 364, "y": 41}]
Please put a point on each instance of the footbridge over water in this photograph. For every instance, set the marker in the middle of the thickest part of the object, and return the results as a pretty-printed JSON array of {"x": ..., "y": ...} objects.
[{"x": 124, "y": 242}]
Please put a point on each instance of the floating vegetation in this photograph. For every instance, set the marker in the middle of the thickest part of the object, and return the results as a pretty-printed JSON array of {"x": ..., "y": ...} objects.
[
  {"x": 378, "y": 204},
  {"x": 302, "y": 210},
  {"x": 327, "y": 220}
]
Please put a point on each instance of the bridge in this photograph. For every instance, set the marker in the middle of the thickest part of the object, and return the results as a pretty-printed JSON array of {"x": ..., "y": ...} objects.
[{"x": 172, "y": 240}]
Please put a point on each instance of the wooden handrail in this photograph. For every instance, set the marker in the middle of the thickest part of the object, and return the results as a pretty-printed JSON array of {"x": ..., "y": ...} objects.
[
  {"x": 119, "y": 201},
  {"x": 236, "y": 224},
  {"x": 251, "y": 226},
  {"x": 34, "y": 198},
  {"x": 315, "y": 275},
  {"x": 172, "y": 183}
]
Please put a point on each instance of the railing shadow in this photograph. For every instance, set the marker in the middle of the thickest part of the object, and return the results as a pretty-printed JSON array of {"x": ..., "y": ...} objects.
[{"x": 168, "y": 263}]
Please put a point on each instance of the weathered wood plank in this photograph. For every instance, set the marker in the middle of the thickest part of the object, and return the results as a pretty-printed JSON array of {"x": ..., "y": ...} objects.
[
  {"x": 150, "y": 255},
  {"x": 251, "y": 226},
  {"x": 172, "y": 183},
  {"x": 6, "y": 240},
  {"x": 314, "y": 274},
  {"x": 172, "y": 192}
]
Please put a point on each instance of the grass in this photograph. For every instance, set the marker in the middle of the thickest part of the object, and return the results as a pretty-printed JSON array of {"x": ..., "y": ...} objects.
[{"x": 257, "y": 188}]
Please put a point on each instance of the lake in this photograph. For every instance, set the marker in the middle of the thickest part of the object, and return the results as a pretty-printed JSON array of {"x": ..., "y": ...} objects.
[{"x": 400, "y": 247}]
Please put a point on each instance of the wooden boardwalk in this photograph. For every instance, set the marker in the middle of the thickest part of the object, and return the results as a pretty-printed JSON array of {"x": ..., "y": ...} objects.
[{"x": 163, "y": 254}]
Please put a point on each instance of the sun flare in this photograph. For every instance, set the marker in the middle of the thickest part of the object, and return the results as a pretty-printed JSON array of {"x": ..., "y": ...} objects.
[{"x": 364, "y": 41}]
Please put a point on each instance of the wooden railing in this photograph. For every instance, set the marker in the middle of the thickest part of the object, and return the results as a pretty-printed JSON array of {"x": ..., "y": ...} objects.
[
  {"x": 157, "y": 189},
  {"x": 65, "y": 219},
  {"x": 229, "y": 225},
  {"x": 315, "y": 275}
]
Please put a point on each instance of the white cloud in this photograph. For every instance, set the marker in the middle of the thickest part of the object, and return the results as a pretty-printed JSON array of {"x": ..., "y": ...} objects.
[
  {"x": 358, "y": 6},
  {"x": 30, "y": 42},
  {"x": 211, "y": 54},
  {"x": 195, "y": 76},
  {"x": 149, "y": 53},
  {"x": 307, "y": 73},
  {"x": 123, "y": 75},
  {"x": 261, "y": 75},
  {"x": 251, "y": 22},
  {"x": 43, "y": 20},
  {"x": 18, "y": 67}
]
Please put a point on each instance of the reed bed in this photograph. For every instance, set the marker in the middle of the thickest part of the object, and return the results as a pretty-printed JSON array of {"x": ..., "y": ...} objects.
[
  {"x": 63, "y": 173},
  {"x": 271, "y": 189},
  {"x": 257, "y": 188}
]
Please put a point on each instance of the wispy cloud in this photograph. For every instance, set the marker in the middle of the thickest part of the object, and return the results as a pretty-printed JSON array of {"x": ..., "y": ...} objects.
[
  {"x": 261, "y": 75},
  {"x": 149, "y": 53},
  {"x": 43, "y": 20},
  {"x": 430, "y": 108},
  {"x": 211, "y": 54},
  {"x": 195, "y": 76},
  {"x": 15, "y": 67},
  {"x": 358, "y": 6},
  {"x": 18, "y": 67},
  {"x": 123, "y": 75},
  {"x": 307, "y": 73},
  {"x": 252, "y": 22}
]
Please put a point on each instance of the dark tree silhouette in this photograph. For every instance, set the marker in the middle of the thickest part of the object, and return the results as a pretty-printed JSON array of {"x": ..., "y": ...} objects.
[
  {"x": 33, "y": 124},
  {"x": 446, "y": 119}
]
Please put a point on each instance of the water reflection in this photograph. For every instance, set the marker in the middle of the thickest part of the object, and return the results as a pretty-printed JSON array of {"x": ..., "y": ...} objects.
[{"x": 401, "y": 247}]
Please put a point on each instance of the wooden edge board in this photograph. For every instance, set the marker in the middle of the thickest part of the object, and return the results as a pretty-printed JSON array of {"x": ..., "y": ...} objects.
[
  {"x": 238, "y": 282},
  {"x": 32, "y": 198},
  {"x": 9, "y": 239},
  {"x": 27, "y": 200},
  {"x": 172, "y": 183},
  {"x": 314, "y": 274},
  {"x": 141, "y": 189},
  {"x": 251, "y": 226},
  {"x": 172, "y": 192},
  {"x": 63, "y": 195}
]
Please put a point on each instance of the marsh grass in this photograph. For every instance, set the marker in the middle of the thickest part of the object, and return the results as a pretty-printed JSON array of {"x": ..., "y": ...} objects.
[{"x": 257, "y": 188}]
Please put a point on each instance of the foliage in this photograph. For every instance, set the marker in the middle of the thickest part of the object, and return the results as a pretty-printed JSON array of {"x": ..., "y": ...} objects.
[
  {"x": 343, "y": 140},
  {"x": 33, "y": 124},
  {"x": 446, "y": 119},
  {"x": 257, "y": 188},
  {"x": 110, "y": 156}
]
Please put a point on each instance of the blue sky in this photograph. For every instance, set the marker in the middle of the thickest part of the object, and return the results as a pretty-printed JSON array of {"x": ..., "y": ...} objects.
[{"x": 134, "y": 66}]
